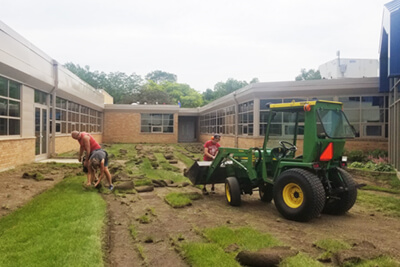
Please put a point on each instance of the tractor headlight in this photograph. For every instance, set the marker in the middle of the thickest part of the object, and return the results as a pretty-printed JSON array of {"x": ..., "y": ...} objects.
[{"x": 344, "y": 158}]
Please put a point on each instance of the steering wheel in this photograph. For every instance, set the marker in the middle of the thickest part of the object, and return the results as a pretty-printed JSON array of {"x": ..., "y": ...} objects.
[{"x": 288, "y": 146}]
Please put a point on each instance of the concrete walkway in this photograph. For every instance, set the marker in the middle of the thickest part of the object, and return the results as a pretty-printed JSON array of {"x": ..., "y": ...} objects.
[{"x": 59, "y": 161}]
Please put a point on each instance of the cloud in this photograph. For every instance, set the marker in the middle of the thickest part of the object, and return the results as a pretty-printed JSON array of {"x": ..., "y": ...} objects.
[{"x": 202, "y": 42}]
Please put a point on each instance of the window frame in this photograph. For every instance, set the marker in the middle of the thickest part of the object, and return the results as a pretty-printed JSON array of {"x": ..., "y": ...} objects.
[
  {"x": 163, "y": 122},
  {"x": 12, "y": 89}
]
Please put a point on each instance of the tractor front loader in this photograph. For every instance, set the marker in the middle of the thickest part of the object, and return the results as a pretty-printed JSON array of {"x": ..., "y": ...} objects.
[{"x": 302, "y": 182}]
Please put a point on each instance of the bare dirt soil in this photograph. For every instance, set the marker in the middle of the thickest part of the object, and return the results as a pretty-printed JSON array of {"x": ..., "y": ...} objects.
[{"x": 155, "y": 242}]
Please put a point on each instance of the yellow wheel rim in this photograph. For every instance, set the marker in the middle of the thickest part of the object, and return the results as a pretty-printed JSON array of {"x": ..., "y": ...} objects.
[
  {"x": 293, "y": 195},
  {"x": 227, "y": 193}
]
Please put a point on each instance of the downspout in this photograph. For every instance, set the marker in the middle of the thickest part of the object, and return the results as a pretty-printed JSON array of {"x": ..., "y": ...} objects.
[
  {"x": 236, "y": 120},
  {"x": 53, "y": 92}
]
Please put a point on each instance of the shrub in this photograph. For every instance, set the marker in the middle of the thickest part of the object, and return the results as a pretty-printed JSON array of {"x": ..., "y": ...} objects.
[
  {"x": 372, "y": 166},
  {"x": 357, "y": 165},
  {"x": 369, "y": 165},
  {"x": 356, "y": 155},
  {"x": 378, "y": 159},
  {"x": 384, "y": 167},
  {"x": 378, "y": 153}
]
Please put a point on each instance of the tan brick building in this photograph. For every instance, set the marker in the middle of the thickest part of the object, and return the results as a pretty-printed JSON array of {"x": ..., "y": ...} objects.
[{"x": 41, "y": 102}]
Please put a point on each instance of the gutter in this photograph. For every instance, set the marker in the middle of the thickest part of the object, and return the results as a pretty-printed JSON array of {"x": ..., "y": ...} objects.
[
  {"x": 236, "y": 120},
  {"x": 53, "y": 92}
]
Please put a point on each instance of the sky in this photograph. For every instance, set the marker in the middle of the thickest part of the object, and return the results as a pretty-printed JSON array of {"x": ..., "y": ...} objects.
[{"x": 203, "y": 42}]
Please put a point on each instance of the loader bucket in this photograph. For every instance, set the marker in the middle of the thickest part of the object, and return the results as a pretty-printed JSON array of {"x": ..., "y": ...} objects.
[{"x": 197, "y": 174}]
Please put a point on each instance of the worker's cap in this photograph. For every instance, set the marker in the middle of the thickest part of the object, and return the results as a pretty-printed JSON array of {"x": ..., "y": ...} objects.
[{"x": 216, "y": 136}]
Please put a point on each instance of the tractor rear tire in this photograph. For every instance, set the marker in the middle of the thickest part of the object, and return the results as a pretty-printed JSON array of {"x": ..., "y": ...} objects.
[
  {"x": 232, "y": 191},
  {"x": 299, "y": 195},
  {"x": 344, "y": 200},
  {"x": 266, "y": 192}
]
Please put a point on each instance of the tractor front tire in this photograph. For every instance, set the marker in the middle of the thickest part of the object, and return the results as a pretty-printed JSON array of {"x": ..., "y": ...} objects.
[
  {"x": 299, "y": 195},
  {"x": 266, "y": 192},
  {"x": 232, "y": 191},
  {"x": 343, "y": 201}
]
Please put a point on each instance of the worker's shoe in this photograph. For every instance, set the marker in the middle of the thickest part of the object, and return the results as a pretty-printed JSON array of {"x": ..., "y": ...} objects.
[
  {"x": 213, "y": 190},
  {"x": 205, "y": 192},
  {"x": 111, "y": 187}
]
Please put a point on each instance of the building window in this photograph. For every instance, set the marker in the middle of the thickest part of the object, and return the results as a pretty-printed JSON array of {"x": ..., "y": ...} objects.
[
  {"x": 246, "y": 118},
  {"x": 40, "y": 97},
  {"x": 71, "y": 116},
  {"x": 230, "y": 120},
  {"x": 221, "y": 121},
  {"x": 373, "y": 116},
  {"x": 61, "y": 115},
  {"x": 368, "y": 115},
  {"x": 283, "y": 123},
  {"x": 85, "y": 119},
  {"x": 10, "y": 107},
  {"x": 351, "y": 107},
  {"x": 276, "y": 123},
  {"x": 208, "y": 123},
  {"x": 157, "y": 123}
]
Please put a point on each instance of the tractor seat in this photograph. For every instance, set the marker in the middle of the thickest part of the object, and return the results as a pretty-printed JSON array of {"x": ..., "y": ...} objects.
[{"x": 278, "y": 153}]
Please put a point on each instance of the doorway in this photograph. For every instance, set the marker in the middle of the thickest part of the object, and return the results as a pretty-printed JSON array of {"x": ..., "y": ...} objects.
[
  {"x": 41, "y": 132},
  {"x": 187, "y": 129}
]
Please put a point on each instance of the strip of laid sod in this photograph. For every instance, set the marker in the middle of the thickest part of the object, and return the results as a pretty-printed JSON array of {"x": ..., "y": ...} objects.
[
  {"x": 246, "y": 238},
  {"x": 151, "y": 173},
  {"x": 61, "y": 227},
  {"x": 207, "y": 254},
  {"x": 389, "y": 205},
  {"x": 180, "y": 200},
  {"x": 213, "y": 253},
  {"x": 300, "y": 260}
]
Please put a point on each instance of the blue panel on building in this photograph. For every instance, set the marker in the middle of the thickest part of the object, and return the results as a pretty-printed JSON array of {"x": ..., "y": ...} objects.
[
  {"x": 383, "y": 64},
  {"x": 394, "y": 57},
  {"x": 390, "y": 45}
]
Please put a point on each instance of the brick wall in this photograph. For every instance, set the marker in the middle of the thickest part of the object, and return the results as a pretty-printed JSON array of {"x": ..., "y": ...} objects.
[
  {"x": 66, "y": 143},
  {"x": 16, "y": 152},
  {"x": 124, "y": 127},
  {"x": 366, "y": 145}
]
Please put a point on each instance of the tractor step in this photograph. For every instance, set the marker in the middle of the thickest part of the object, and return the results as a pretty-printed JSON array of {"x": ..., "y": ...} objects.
[{"x": 197, "y": 174}]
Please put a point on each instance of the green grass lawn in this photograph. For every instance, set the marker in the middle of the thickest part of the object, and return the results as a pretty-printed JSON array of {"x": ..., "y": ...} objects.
[
  {"x": 389, "y": 205},
  {"x": 61, "y": 227}
]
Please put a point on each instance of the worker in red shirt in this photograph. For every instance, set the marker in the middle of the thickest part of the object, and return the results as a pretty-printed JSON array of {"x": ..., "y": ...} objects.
[
  {"x": 210, "y": 152},
  {"x": 87, "y": 144}
]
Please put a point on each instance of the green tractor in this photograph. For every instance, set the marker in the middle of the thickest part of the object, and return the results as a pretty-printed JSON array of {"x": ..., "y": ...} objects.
[{"x": 302, "y": 185}]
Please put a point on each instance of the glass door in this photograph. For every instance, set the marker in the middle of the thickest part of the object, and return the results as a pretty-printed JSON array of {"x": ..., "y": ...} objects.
[{"x": 41, "y": 131}]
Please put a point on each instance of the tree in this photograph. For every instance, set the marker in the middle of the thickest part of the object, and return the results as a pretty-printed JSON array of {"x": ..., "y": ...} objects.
[
  {"x": 223, "y": 88},
  {"x": 208, "y": 95},
  {"x": 161, "y": 87},
  {"x": 308, "y": 75},
  {"x": 188, "y": 97},
  {"x": 159, "y": 76},
  {"x": 254, "y": 80},
  {"x": 120, "y": 86},
  {"x": 84, "y": 73}
]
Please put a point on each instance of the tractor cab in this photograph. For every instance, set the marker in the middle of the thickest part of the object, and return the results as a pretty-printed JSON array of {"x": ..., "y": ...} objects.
[{"x": 313, "y": 131}]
